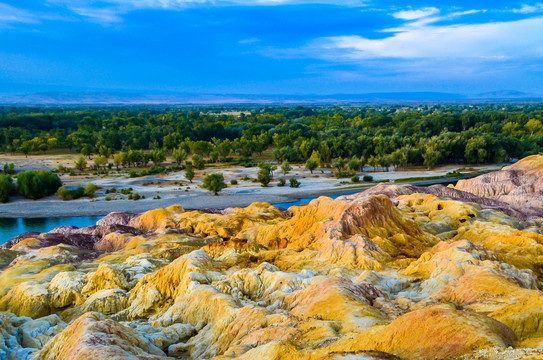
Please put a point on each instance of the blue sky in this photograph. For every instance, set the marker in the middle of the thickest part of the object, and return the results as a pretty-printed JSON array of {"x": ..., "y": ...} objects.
[{"x": 271, "y": 46}]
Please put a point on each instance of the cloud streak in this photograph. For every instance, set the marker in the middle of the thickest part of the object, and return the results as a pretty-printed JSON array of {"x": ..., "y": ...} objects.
[
  {"x": 416, "y": 14},
  {"x": 10, "y": 14},
  {"x": 496, "y": 40}
]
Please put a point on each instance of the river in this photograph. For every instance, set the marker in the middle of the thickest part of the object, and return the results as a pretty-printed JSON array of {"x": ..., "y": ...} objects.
[{"x": 9, "y": 228}]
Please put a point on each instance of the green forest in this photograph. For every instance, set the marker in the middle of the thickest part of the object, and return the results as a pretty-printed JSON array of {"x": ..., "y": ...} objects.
[{"x": 377, "y": 135}]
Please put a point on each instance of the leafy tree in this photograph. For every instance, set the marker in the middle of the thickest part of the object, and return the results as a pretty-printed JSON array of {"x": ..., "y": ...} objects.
[
  {"x": 214, "y": 183},
  {"x": 105, "y": 151},
  {"x": 169, "y": 141},
  {"x": 189, "y": 173},
  {"x": 52, "y": 142},
  {"x": 86, "y": 151},
  {"x": 354, "y": 164},
  {"x": 431, "y": 157},
  {"x": 475, "y": 150},
  {"x": 197, "y": 162},
  {"x": 80, "y": 163},
  {"x": 373, "y": 162},
  {"x": 37, "y": 184},
  {"x": 533, "y": 126},
  {"x": 384, "y": 161},
  {"x": 214, "y": 156},
  {"x": 100, "y": 162},
  {"x": 25, "y": 148},
  {"x": 285, "y": 167},
  {"x": 158, "y": 156},
  {"x": 265, "y": 174},
  {"x": 313, "y": 162},
  {"x": 338, "y": 164},
  {"x": 179, "y": 155},
  {"x": 6, "y": 188}
]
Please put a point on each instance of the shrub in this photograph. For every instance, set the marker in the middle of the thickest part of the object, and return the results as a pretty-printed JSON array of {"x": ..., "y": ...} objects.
[
  {"x": 355, "y": 179},
  {"x": 108, "y": 198},
  {"x": 136, "y": 196},
  {"x": 189, "y": 173},
  {"x": 343, "y": 174},
  {"x": 9, "y": 169},
  {"x": 90, "y": 189},
  {"x": 38, "y": 184},
  {"x": 64, "y": 193},
  {"x": 62, "y": 169},
  {"x": 81, "y": 163},
  {"x": 214, "y": 183},
  {"x": 6, "y": 188},
  {"x": 67, "y": 194},
  {"x": 233, "y": 182},
  {"x": 294, "y": 183},
  {"x": 78, "y": 192},
  {"x": 197, "y": 162},
  {"x": 368, "y": 178},
  {"x": 281, "y": 182}
]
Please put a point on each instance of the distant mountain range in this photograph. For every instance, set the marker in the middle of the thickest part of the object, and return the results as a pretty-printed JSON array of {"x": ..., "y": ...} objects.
[{"x": 132, "y": 98}]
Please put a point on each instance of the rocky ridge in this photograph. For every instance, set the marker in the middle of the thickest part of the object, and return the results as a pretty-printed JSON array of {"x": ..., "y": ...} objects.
[{"x": 396, "y": 272}]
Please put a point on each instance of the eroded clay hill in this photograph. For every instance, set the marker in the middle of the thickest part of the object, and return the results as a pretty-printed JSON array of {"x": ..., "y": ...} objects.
[
  {"x": 397, "y": 272},
  {"x": 520, "y": 184}
]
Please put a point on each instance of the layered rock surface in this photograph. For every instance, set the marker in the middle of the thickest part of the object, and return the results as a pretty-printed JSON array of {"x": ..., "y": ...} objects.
[
  {"x": 519, "y": 185},
  {"x": 397, "y": 272}
]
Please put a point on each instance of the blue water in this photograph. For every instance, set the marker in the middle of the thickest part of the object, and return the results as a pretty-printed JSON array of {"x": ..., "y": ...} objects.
[
  {"x": 10, "y": 228},
  {"x": 307, "y": 200}
]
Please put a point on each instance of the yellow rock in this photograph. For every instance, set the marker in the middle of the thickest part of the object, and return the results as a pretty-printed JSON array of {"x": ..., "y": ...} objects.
[
  {"x": 337, "y": 299},
  {"x": 157, "y": 218},
  {"x": 93, "y": 337},
  {"x": 431, "y": 334},
  {"x": 524, "y": 317}
]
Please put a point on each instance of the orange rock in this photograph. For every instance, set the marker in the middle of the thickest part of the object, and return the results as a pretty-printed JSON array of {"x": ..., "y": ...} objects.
[{"x": 431, "y": 334}]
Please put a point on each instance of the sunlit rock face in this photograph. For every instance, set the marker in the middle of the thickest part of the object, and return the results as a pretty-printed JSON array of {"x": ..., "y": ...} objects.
[
  {"x": 391, "y": 273},
  {"x": 519, "y": 185}
]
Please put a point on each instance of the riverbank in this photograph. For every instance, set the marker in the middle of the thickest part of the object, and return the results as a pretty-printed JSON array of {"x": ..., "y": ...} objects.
[
  {"x": 165, "y": 190},
  {"x": 200, "y": 199}
]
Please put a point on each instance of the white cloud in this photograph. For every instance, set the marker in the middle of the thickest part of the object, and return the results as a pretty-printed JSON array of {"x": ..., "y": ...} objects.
[
  {"x": 180, "y": 4},
  {"x": 10, "y": 14},
  {"x": 416, "y": 14},
  {"x": 498, "y": 40},
  {"x": 529, "y": 9},
  {"x": 110, "y": 11},
  {"x": 249, "y": 40},
  {"x": 103, "y": 16}
]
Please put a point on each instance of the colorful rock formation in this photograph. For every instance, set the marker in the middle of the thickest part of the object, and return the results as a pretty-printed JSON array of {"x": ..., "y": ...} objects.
[{"x": 396, "y": 272}]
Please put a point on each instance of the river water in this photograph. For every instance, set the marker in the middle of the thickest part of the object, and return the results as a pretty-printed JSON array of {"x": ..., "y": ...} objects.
[{"x": 9, "y": 228}]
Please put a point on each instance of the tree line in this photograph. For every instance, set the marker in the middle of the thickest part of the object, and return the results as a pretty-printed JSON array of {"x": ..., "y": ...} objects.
[{"x": 378, "y": 136}]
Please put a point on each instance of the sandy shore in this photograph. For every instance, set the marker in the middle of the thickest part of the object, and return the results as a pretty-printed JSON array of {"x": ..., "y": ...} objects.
[{"x": 175, "y": 189}]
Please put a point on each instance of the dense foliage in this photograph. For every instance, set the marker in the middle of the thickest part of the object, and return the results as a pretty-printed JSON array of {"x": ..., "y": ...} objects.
[
  {"x": 380, "y": 136},
  {"x": 214, "y": 183},
  {"x": 38, "y": 184},
  {"x": 6, "y": 188}
]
